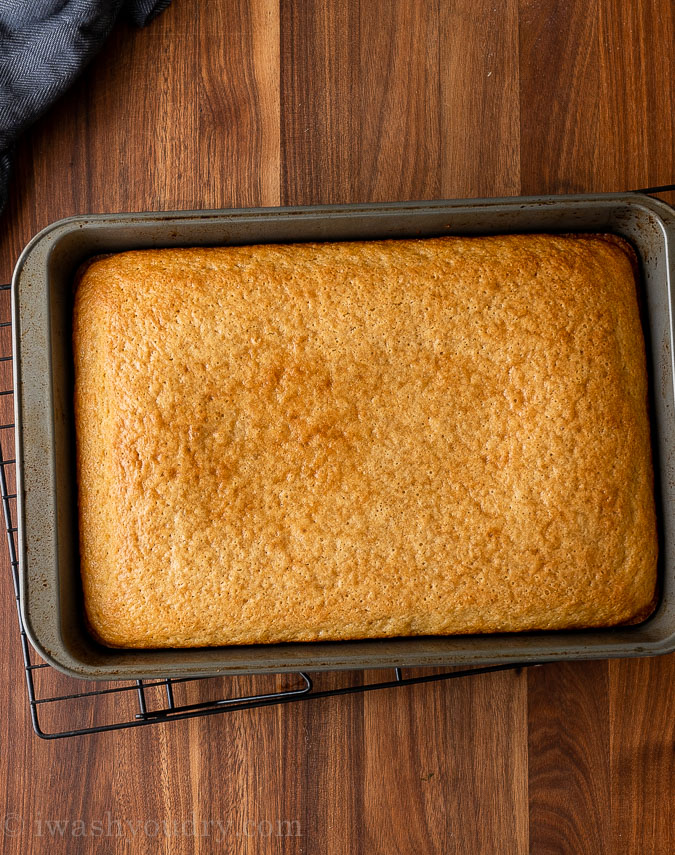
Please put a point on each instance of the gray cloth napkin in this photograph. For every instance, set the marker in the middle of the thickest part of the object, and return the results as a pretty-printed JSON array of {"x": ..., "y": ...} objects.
[{"x": 44, "y": 45}]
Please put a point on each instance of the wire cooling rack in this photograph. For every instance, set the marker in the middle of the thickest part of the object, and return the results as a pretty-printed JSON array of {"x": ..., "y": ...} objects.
[{"x": 62, "y": 706}]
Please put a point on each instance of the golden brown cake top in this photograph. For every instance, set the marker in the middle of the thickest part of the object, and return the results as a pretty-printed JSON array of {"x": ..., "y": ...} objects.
[{"x": 314, "y": 441}]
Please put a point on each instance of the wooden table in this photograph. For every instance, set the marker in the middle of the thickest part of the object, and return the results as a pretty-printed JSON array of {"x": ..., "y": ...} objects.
[{"x": 225, "y": 103}]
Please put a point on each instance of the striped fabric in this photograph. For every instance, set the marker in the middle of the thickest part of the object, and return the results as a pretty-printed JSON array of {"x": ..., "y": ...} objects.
[{"x": 44, "y": 45}]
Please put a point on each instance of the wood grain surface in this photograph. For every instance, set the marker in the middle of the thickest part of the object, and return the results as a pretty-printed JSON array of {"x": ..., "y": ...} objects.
[{"x": 264, "y": 102}]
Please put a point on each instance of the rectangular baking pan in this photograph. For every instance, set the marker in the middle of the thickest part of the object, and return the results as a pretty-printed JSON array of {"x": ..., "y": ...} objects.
[{"x": 51, "y": 599}]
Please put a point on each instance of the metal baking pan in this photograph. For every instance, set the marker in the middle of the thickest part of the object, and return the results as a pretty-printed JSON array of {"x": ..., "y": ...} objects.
[{"x": 51, "y": 599}]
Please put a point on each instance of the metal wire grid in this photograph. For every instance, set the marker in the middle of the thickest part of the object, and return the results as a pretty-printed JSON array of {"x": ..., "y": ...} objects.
[
  {"x": 166, "y": 706},
  {"x": 49, "y": 690}
]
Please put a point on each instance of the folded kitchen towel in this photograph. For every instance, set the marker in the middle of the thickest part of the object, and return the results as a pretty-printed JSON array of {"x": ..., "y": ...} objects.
[{"x": 44, "y": 44}]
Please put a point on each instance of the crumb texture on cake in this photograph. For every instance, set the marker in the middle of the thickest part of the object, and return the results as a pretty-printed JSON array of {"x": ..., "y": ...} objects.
[{"x": 366, "y": 439}]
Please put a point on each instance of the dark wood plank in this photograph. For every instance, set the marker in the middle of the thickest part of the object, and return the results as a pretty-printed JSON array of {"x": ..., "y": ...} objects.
[
  {"x": 562, "y": 142},
  {"x": 447, "y": 765},
  {"x": 568, "y": 757},
  {"x": 637, "y": 93},
  {"x": 321, "y": 750},
  {"x": 142, "y": 115},
  {"x": 400, "y": 107},
  {"x": 478, "y": 725},
  {"x": 418, "y": 744},
  {"x": 594, "y": 94},
  {"x": 642, "y": 731},
  {"x": 360, "y": 101},
  {"x": 238, "y": 149},
  {"x": 480, "y": 95},
  {"x": 319, "y": 101}
]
